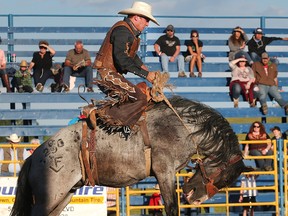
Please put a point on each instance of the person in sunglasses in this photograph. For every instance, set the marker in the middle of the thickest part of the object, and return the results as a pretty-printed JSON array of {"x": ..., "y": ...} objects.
[
  {"x": 167, "y": 47},
  {"x": 41, "y": 64},
  {"x": 194, "y": 53},
  {"x": 257, "y": 132}
]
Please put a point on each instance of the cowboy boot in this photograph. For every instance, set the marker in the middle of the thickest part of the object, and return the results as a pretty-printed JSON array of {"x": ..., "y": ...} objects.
[{"x": 6, "y": 82}]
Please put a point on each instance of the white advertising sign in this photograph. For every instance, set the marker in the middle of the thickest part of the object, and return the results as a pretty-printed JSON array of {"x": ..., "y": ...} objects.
[{"x": 86, "y": 200}]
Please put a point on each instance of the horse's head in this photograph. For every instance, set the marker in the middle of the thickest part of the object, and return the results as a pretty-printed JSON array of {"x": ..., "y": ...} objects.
[{"x": 209, "y": 179}]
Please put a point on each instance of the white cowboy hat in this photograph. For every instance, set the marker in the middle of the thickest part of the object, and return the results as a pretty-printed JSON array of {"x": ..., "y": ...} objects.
[
  {"x": 157, "y": 187},
  {"x": 14, "y": 138},
  {"x": 140, "y": 8}
]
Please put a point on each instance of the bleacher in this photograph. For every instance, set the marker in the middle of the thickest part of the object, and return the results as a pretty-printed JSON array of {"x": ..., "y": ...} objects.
[
  {"x": 50, "y": 112},
  {"x": 212, "y": 89}
]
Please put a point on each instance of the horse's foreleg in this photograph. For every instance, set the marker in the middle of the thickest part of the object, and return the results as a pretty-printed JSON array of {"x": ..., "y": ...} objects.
[
  {"x": 57, "y": 211},
  {"x": 168, "y": 193},
  {"x": 165, "y": 175}
]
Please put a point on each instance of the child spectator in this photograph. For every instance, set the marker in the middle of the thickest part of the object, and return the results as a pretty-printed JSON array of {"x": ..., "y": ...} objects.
[
  {"x": 248, "y": 195},
  {"x": 22, "y": 79},
  {"x": 155, "y": 200}
]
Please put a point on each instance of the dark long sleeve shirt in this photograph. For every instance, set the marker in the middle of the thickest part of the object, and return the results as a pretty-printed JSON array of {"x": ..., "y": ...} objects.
[
  {"x": 259, "y": 47},
  {"x": 122, "y": 38}
]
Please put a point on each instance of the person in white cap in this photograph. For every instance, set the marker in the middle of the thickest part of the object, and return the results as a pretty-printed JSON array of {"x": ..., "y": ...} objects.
[
  {"x": 117, "y": 56},
  {"x": 8, "y": 168},
  {"x": 257, "y": 45}
]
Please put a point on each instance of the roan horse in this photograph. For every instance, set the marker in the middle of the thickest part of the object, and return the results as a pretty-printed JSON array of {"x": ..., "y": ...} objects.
[{"x": 50, "y": 175}]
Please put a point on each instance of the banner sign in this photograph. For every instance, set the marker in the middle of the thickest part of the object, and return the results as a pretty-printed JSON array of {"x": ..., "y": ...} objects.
[{"x": 86, "y": 200}]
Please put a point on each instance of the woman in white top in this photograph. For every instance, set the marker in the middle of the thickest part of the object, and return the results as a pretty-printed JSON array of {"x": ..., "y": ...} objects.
[{"x": 242, "y": 81}]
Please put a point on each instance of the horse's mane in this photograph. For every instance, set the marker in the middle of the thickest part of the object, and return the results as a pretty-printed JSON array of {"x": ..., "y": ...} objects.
[{"x": 217, "y": 137}]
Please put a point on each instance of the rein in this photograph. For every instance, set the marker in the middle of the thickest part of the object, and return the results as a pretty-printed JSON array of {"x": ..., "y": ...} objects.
[
  {"x": 211, "y": 189},
  {"x": 157, "y": 93}
]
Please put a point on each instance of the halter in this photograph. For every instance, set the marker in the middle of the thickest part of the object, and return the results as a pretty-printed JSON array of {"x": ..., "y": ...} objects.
[{"x": 211, "y": 189}]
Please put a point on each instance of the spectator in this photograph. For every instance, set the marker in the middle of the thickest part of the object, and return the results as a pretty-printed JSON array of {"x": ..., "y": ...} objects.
[
  {"x": 248, "y": 195},
  {"x": 237, "y": 42},
  {"x": 22, "y": 79},
  {"x": 266, "y": 73},
  {"x": 78, "y": 64},
  {"x": 194, "y": 53},
  {"x": 3, "y": 73},
  {"x": 34, "y": 141},
  {"x": 111, "y": 199},
  {"x": 257, "y": 132},
  {"x": 242, "y": 81},
  {"x": 41, "y": 64},
  {"x": 167, "y": 48},
  {"x": 117, "y": 56},
  {"x": 257, "y": 45},
  {"x": 277, "y": 133},
  {"x": 155, "y": 200},
  {"x": 7, "y": 169}
]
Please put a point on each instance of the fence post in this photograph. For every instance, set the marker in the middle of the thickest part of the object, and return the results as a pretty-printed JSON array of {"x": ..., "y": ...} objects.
[
  {"x": 279, "y": 143},
  {"x": 10, "y": 34}
]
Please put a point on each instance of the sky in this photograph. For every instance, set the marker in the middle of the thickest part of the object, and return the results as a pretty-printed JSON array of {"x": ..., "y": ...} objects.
[{"x": 160, "y": 7}]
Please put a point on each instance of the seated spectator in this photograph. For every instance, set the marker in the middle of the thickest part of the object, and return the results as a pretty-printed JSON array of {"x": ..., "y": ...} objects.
[
  {"x": 41, "y": 64},
  {"x": 278, "y": 135},
  {"x": 242, "y": 81},
  {"x": 3, "y": 73},
  {"x": 167, "y": 47},
  {"x": 194, "y": 53},
  {"x": 78, "y": 64},
  {"x": 22, "y": 79},
  {"x": 265, "y": 73},
  {"x": 257, "y": 132},
  {"x": 237, "y": 42},
  {"x": 8, "y": 154},
  {"x": 257, "y": 45}
]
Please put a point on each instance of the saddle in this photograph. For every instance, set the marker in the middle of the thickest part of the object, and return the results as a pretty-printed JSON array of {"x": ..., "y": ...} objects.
[{"x": 93, "y": 115}]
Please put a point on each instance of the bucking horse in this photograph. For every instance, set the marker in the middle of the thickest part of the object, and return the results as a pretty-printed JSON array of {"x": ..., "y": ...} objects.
[{"x": 50, "y": 176}]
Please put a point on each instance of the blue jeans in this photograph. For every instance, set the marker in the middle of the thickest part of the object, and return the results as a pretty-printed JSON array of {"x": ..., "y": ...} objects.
[
  {"x": 261, "y": 163},
  {"x": 165, "y": 60},
  {"x": 86, "y": 72},
  {"x": 236, "y": 90},
  {"x": 2, "y": 72},
  {"x": 263, "y": 92},
  {"x": 256, "y": 58},
  {"x": 247, "y": 56}
]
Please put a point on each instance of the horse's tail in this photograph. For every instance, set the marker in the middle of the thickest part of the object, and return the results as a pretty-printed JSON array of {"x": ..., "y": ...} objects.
[{"x": 23, "y": 200}]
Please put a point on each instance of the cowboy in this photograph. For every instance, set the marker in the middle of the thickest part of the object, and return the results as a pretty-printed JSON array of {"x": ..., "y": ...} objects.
[
  {"x": 117, "y": 56},
  {"x": 8, "y": 168}
]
